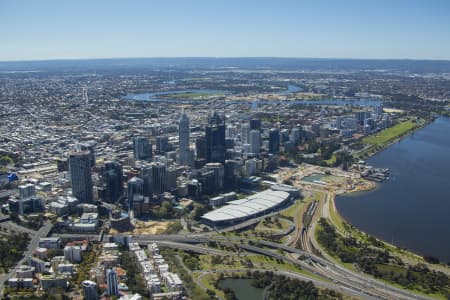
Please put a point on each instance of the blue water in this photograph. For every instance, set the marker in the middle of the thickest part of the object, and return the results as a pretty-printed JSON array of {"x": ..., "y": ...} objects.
[
  {"x": 242, "y": 288},
  {"x": 412, "y": 209}
]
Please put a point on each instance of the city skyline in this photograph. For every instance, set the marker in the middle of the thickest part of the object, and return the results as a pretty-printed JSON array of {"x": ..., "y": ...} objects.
[{"x": 323, "y": 29}]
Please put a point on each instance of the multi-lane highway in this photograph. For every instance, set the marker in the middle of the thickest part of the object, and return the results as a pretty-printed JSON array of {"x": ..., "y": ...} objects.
[{"x": 358, "y": 283}]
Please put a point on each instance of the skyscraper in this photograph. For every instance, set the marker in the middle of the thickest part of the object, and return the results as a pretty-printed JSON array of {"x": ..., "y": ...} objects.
[
  {"x": 147, "y": 176},
  {"x": 255, "y": 124},
  {"x": 219, "y": 171},
  {"x": 183, "y": 134},
  {"x": 159, "y": 177},
  {"x": 245, "y": 132},
  {"x": 200, "y": 147},
  {"x": 111, "y": 281},
  {"x": 142, "y": 148},
  {"x": 27, "y": 191},
  {"x": 80, "y": 176},
  {"x": 135, "y": 190},
  {"x": 255, "y": 140},
  {"x": 112, "y": 181},
  {"x": 89, "y": 290},
  {"x": 274, "y": 141},
  {"x": 162, "y": 145},
  {"x": 215, "y": 139},
  {"x": 89, "y": 146}
]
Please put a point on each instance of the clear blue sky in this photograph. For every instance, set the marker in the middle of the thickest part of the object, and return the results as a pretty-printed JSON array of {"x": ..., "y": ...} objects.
[{"x": 54, "y": 29}]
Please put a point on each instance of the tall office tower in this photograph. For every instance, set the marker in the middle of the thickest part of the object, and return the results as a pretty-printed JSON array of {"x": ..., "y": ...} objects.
[
  {"x": 230, "y": 132},
  {"x": 183, "y": 137},
  {"x": 80, "y": 176},
  {"x": 171, "y": 178},
  {"x": 27, "y": 202},
  {"x": 255, "y": 141},
  {"x": 112, "y": 283},
  {"x": 245, "y": 133},
  {"x": 147, "y": 176},
  {"x": 135, "y": 190},
  {"x": 232, "y": 173},
  {"x": 215, "y": 139},
  {"x": 274, "y": 141},
  {"x": 219, "y": 174},
  {"x": 255, "y": 124},
  {"x": 162, "y": 145},
  {"x": 89, "y": 146},
  {"x": 296, "y": 135},
  {"x": 142, "y": 148},
  {"x": 284, "y": 135},
  {"x": 89, "y": 290},
  {"x": 27, "y": 191},
  {"x": 111, "y": 174},
  {"x": 200, "y": 147},
  {"x": 159, "y": 178},
  {"x": 338, "y": 122}
]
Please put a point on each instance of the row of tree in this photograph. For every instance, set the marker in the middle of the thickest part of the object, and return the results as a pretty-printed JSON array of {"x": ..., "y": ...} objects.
[
  {"x": 280, "y": 287},
  {"x": 380, "y": 263},
  {"x": 12, "y": 247}
]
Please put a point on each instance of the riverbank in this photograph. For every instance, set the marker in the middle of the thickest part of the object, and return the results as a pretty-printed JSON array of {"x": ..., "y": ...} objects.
[
  {"x": 346, "y": 230},
  {"x": 422, "y": 169},
  {"x": 382, "y": 140},
  {"x": 345, "y": 227}
]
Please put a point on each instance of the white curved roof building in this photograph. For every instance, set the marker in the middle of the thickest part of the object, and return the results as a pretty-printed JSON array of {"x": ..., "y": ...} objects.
[{"x": 243, "y": 209}]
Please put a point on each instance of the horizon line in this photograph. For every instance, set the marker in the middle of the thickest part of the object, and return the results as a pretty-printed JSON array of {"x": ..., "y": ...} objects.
[{"x": 217, "y": 57}]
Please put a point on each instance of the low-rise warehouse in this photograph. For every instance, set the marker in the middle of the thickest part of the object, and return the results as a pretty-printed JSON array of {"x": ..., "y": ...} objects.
[{"x": 243, "y": 209}]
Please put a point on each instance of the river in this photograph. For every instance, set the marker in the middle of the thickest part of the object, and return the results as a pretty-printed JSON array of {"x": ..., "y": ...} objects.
[{"x": 412, "y": 208}]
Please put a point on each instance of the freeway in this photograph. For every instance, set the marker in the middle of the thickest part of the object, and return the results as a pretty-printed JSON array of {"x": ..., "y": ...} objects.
[
  {"x": 190, "y": 247},
  {"x": 358, "y": 282},
  {"x": 289, "y": 274},
  {"x": 42, "y": 232}
]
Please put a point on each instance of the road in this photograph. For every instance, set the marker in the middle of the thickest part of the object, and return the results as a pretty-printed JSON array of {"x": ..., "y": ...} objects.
[
  {"x": 357, "y": 282},
  {"x": 33, "y": 244},
  {"x": 289, "y": 274},
  {"x": 309, "y": 243}
]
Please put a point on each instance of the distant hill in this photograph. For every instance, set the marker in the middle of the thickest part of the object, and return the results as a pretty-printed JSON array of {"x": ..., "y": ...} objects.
[{"x": 307, "y": 64}]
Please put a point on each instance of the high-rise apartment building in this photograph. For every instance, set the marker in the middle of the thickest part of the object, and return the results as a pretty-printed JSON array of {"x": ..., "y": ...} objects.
[
  {"x": 89, "y": 290},
  {"x": 112, "y": 282},
  {"x": 80, "y": 176}
]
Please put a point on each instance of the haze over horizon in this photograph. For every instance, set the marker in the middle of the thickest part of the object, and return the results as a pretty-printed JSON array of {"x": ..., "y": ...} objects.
[{"x": 50, "y": 29}]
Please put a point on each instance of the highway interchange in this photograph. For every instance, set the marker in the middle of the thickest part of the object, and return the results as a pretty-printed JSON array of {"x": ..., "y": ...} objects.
[{"x": 333, "y": 275}]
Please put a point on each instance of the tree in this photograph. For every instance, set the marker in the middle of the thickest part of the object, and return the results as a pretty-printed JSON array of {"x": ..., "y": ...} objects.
[{"x": 6, "y": 160}]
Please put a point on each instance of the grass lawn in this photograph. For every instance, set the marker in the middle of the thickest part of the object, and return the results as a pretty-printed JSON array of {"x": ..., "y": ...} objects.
[
  {"x": 389, "y": 134},
  {"x": 336, "y": 219},
  {"x": 332, "y": 160},
  {"x": 292, "y": 210},
  {"x": 272, "y": 226},
  {"x": 191, "y": 96},
  {"x": 258, "y": 261},
  {"x": 208, "y": 281}
]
